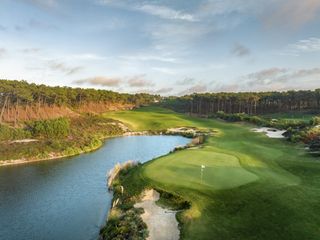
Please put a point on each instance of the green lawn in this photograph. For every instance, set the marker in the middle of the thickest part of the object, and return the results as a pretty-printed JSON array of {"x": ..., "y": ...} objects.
[{"x": 253, "y": 187}]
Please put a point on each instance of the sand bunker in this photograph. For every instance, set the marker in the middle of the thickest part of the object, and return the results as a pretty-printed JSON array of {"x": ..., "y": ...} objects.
[
  {"x": 270, "y": 132},
  {"x": 162, "y": 224}
]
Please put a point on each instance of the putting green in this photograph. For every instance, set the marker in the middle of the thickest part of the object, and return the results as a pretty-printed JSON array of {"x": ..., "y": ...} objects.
[{"x": 183, "y": 169}]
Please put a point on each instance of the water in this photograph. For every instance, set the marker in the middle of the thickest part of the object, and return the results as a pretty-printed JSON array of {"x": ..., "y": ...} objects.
[{"x": 68, "y": 199}]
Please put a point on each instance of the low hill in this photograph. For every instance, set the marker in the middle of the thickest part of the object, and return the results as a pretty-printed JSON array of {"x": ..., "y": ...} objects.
[{"x": 22, "y": 101}]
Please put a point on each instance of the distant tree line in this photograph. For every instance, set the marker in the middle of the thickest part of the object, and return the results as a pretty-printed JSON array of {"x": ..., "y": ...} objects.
[
  {"x": 14, "y": 94},
  {"x": 245, "y": 102}
]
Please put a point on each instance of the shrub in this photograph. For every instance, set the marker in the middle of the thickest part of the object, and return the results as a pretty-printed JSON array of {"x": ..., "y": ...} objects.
[
  {"x": 9, "y": 133},
  {"x": 315, "y": 121},
  {"x": 114, "y": 173},
  {"x": 54, "y": 128},
  {"x": 128, "y": 225}
]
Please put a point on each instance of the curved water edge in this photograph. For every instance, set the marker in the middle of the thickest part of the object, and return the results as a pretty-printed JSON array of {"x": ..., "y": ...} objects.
[{"x": 68, "y": 198}]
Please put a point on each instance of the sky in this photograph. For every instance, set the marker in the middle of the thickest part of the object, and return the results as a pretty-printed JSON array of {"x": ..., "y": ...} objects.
[{"x": 167, "y": 47}]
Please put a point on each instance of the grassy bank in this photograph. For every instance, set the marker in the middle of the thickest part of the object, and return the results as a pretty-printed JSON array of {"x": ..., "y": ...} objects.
[
  {"x": 252, "y": 187},
  {"x": 55, "y": 138}
]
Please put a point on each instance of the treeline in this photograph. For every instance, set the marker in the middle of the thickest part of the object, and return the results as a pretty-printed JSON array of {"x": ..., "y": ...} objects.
[
  {"x": 245, "y": 102},
  {"x": 17, "y": 94}
]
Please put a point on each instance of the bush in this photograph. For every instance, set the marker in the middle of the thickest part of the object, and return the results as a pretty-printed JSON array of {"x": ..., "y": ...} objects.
[
  {"x": 314, "y": 145},
  {"x": 172, "y": 201},
  {"x": 128, "y": 225},
  {"x": 54, "y": 128},
  {"x": 9, "y": 133},
  {"x": 239, "y": 117},
  {"x": 315, "y": 121}
]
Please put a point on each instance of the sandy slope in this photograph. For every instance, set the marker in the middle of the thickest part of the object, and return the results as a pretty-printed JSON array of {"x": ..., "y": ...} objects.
[{"x": 162, "y": 223}]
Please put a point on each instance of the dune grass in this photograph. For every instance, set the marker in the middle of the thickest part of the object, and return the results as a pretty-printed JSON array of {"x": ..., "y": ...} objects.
[{"x": 253, "y": 187}]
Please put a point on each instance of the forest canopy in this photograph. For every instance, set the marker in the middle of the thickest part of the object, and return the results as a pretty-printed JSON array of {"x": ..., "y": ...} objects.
[
  {"x": 246, "y": 102},
  {"x": 22, "y": 92}
]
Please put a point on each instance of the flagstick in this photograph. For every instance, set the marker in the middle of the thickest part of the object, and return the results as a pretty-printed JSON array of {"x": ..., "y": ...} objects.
[{"x": 201, "y": 172}]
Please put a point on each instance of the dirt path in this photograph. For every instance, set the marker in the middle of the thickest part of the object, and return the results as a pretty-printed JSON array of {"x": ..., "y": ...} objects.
[{"x": 162, "y": 223}]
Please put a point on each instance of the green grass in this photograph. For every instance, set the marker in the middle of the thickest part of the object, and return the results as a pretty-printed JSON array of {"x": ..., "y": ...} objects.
[
  {"x": 253, "y": 187},
  {"x": 154, "y": 118},
  {"x": 298, "y": 116}
]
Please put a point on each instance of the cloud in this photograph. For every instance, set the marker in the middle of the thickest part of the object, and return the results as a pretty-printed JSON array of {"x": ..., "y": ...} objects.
[
  {"x": 168, "y": 71},
  {"x": 292, "y": 13},
  {"x": 139, "y": 81},
  {"x": 86, "y": 57},
  {"x": 150, "y": 57},
  {"x": 43, "y": 3},
  {"x": 281, "y": 78},
  {"x": 232, "y": 87},
  {"x": 186, "y": 81},
  {"x": 198, "y": 88},
  {"x": 266, "y": 76},
  {"x": 165, "y": 12},
  {"x": 59, "y": 66},
  {"x": 31, "y": 50},
  {"x": 2, "y": 28},
  {"x": 240, "y": 50},
  {"x": 101, "y": 81},
  {"x": 185, "y": 32},
  {"x": 302, "y": 46},
  {"x": 3, "y": 51},
  {"x": 272, "y": 13},
  {"x": 19, "y": 28},
  {"x": 161, "y": 91},
  {"x": 164, "y": 90},
  {"x": 35, "y": 24},
  {"x": 160, "y": 11},
  {"x": 302, "y": 73},
  {"x": 273, "y": 79}
]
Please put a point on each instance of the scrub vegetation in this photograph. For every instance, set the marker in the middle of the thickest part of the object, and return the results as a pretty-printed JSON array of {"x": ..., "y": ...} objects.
[
  {"x": 252, "y": 187},
  {"x": 55, "y": 138}
]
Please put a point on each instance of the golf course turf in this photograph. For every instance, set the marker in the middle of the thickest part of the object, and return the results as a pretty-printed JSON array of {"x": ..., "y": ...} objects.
[{"x": 253, "y": 187}]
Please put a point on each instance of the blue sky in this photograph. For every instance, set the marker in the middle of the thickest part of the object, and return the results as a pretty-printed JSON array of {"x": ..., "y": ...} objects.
[{"x": 162, "y": 46}]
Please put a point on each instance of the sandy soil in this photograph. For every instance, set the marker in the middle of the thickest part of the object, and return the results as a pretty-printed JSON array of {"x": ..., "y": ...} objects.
[
  {"x": 24, "y": 141},
  {"x": 162, "y": 224},
  {"x": 182, "y": 130},
  {"x": 270, "y": 132}
]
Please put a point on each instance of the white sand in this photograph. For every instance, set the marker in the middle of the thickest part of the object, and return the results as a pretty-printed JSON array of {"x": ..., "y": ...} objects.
[
  {"x": 270, "y": 132},
  {"x": 24, "y": 141},
  {"x": 162, "y": 224}
]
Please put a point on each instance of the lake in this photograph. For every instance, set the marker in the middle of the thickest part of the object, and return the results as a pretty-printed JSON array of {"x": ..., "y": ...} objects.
[{"x": 68, "y": 198}]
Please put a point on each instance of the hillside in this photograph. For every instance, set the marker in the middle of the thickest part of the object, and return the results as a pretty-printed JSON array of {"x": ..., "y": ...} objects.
[{"x": 21, "y": 101}]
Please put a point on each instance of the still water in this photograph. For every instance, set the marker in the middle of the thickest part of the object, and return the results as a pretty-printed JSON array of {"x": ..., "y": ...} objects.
[{"x": 68, "y": 199}]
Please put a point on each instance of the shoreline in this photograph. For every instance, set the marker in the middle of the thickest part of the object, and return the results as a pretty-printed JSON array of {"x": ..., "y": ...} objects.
[
  {"x": 148, "y": 203},
  {"x": 4, "y": 163},
  {"x": 13, "y": 162}
]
